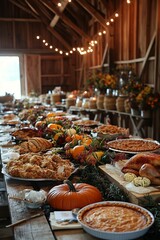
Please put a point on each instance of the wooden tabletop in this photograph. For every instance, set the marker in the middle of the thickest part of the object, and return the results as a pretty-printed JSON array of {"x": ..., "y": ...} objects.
[{"x": 37, "y": 228}]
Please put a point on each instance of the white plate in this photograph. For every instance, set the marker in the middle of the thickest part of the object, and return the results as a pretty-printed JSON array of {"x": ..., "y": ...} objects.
[
  {"x": 27, "y": 179},
  {"x": 8, "y": 156}
]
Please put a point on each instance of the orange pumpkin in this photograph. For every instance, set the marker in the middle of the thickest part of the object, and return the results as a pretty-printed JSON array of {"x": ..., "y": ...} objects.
[{"x": 68, "y": 195}]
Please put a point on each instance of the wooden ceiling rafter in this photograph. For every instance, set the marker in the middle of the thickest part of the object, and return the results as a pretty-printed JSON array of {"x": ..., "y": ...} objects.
[
  {"x": 19, "y": 20},
  {"x": 66, "y": 20},
  {"x": 95, "y": 14},
  {"x": 23, "y": 7},
  {"x": 31, "y": 7},
  {"x": 60, "y": 29},
  {"x": 36, "y": 5},
  {"x": 77, "y": 12},
  {"x": 56, "y": 17}
]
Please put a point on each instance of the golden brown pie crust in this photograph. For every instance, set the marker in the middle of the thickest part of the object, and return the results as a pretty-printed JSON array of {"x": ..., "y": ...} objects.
[{"x": 116, "y": 218}]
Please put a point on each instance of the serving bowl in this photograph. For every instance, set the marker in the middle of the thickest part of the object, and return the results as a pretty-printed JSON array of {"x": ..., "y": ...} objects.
[
  {"x": 114, "y": 220},
  {"x": 32, "y": 199}
]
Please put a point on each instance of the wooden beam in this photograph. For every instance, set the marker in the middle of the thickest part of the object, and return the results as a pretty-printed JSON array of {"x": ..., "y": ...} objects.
[
  {"x": 19, "y": 20},
  {"x": 33, "y": 9},
  {"x": 23, "y": 7},
  {"x": 95, "y": 14},
  {"x": 35, "y": 4},
  {"x": 104, "y": 55},
  {"x": 56, "y": 18},
  {"x": 147, "y": 53},
  {"x": 66, "y": 20}
]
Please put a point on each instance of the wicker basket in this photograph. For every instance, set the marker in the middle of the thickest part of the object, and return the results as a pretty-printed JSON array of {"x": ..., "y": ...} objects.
[
  {"x": 110, "y": 103},
  {"x": 120, "y": 103},
  {"x": 100, "y": 102}
]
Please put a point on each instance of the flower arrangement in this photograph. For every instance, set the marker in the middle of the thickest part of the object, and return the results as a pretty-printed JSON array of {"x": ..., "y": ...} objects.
[
  {"x": 133, "y": 87},
  {"x": 102, "y": 81},
  {"x": 147, "y": 99}
]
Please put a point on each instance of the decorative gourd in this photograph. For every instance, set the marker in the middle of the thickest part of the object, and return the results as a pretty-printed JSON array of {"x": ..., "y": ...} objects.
[{"x": 68, "y": 196}]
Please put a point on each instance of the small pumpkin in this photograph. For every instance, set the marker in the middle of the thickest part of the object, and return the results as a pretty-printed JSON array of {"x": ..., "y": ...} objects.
[{"x": 68, "y": 196}]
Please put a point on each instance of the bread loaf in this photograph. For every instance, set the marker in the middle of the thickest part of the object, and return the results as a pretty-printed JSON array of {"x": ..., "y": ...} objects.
[
  {"x": 35, "y": 145},
  {"x": 25, "y": 133}
]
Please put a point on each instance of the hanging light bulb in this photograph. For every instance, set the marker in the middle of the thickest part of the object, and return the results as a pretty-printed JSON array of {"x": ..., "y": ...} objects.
[{"x": 59, "y": 4}]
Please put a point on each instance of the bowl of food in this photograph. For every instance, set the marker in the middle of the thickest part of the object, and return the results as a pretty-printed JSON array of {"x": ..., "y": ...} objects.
[
  {"x": 114, "y": 220},
  {"x": 34, "y": 199}
]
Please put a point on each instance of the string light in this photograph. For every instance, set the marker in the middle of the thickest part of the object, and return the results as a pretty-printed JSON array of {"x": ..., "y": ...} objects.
[
  {"x": 59, "y": 4},
  {"x": 92, "y": 43}
]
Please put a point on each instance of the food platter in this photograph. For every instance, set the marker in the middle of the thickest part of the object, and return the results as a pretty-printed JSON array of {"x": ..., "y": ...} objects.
[
  {"x": 86, "y": 123},
  {"x": 134, "y": 145},
  {"x": 4, "y": 171}
]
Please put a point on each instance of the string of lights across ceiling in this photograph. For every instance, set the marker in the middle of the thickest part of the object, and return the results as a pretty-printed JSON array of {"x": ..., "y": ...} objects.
[{"x": 91, "y": 44}]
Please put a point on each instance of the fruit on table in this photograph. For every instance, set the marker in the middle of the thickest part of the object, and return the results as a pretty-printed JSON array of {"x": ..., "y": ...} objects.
[
  {"x": 40, "y": 124},
  {"x": 77, "y": 151},
  {"x": 68, "y": 195},
  {"x": 86, "y": 140},
  {"x": 54, "y": 126},
  {"x": 94, "y": 157}
]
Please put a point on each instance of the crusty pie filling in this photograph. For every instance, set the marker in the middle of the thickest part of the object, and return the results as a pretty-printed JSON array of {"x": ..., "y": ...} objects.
[{"x": 115, "y": 219}]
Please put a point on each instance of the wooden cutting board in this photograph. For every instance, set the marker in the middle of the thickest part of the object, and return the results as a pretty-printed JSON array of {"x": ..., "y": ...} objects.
[{"x": 116, "y": 176}]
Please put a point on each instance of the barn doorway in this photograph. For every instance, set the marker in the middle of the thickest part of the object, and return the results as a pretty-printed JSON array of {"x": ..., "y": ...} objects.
[{"x": 10, "y": 76}]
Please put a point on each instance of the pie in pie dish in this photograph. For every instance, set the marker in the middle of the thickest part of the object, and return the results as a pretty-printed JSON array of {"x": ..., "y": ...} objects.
[
  {"x": 112, "y": 129},
  {"x": 134, "y": 145},
  {"x": 86, "y": 123},
  {"x": 108, "y": 218}
]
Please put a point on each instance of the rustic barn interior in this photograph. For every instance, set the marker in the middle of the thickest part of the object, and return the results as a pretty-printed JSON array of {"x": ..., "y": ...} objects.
[
  {"x": 64, "y": 44},
  {"x": 61, "y": 45}
]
